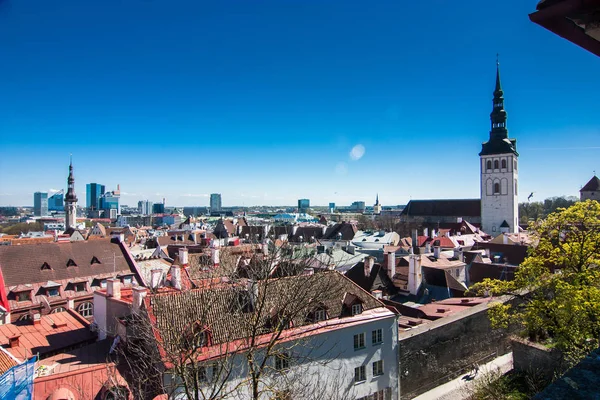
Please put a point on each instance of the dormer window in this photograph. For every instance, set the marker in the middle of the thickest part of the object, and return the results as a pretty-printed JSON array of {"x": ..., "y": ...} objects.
[
  {"x": 79, "y": 287},
  {"x": 46, "y": 267},
  {"x": 319, "y": 314},
  {"x": 71, "y": 263},
  {"x": 24, "y": 296},
  {"x": 357, "y": 309},
  {"x": 196, "y": 337},
  {"x": 53, "y": 292},
  {"x": 95, "y": 261}
]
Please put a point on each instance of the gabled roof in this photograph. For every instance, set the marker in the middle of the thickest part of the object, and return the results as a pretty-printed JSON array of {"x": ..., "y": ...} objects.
[
  {"x": 21, "y": 264},
  {"x": 174, "y": 312},
  {"x": 592, "y": 186},
  {"x": 346, "y": 229}
]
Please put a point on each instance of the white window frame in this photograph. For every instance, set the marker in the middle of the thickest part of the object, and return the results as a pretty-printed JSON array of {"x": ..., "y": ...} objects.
[
  {"x": 359, "y": 341},
  {"x": 356, "y": 309},
  {"x": 282, "y": 361},
  {"x": 377, "y": 368},
  {"x": 377, "y": 336},
  {"x": 320, "y": 315},
  {"x": 86, "y": 308},
  {"x": 360, "y": 374}
]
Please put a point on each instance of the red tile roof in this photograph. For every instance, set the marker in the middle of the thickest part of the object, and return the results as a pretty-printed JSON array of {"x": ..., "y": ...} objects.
[
  {"x": 54, "y": 332},
  {"x": 7, "y": 361}
]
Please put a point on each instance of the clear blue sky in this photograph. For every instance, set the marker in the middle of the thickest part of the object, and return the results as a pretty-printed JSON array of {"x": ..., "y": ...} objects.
[{"x": 263, "y": 101}]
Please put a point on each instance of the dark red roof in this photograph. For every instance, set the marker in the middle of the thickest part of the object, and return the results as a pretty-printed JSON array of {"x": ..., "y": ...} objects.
[{"x": 592, "y": 186}]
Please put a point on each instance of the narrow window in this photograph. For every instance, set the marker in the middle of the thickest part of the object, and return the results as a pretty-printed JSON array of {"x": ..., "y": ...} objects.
[
  {"x": 282, "y": 361},
  {"x": 496, "y": 188},
  {"x": 359, "y": 341},
  {"x": 503, "y": 164},
  {"x": 360, "y": 374},
  {"x": 377, "y": 336},
  {"x": 356, "y": 309},
  {"x": 320, "y": 315},
  {"x": 378, "y": 368},
  {"x": 495, "y": 164},
  {"x": 489, "y": 165}
]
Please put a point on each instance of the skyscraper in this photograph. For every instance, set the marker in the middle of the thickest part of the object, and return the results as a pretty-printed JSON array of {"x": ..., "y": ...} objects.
[
  {"x": 40, "y": 204},
  {"x": 215, "y": 202},
  {"x": 70, "y": 200},
  {"x": 56, "y": 202},
  {"x": 145, "y": 207},
  {"x": 498, "y": 163},
  {"x": 303, "y": 205},
  {"x": 93, "y": 192}
]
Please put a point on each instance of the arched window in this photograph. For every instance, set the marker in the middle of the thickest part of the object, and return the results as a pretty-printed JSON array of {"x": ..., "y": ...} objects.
[
  {"x": 516, "y": 187},
  {"x": 86, "y": 309},
  {"x": 515, "y": 163},
  {"x": 25, "y": 317},
  {"x": 495, "y": 164},
  {"x": 57, "y": 310},
  {"x": 489, "y": 165},
  {"x": 496, "y": 188},
  {"x": 503, "y": 164}
]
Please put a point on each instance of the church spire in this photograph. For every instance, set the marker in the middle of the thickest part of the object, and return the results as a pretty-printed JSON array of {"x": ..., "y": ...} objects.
[
  {"x": 498, "y": 115},
  {"x": 71, "y": 197}
]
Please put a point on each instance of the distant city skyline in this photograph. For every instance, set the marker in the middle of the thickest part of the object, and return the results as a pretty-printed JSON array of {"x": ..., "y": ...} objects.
[{"x": 333, "y": 102}]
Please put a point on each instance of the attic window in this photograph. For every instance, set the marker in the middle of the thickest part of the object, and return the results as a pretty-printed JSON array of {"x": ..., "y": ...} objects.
[
  {"x": 319, "y": 314},
  {"x": 195, "y": 337},
  {"x": 95, "y": 261},
  {"x": 71, "y": 263},
  {"x": 46, "y": 267},
  {"x": 357, "y": 309}
]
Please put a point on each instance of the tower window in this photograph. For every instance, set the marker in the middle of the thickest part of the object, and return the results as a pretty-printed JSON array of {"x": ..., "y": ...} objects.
[
  {"x": 495, "y": 164},
  {"x": 503, "y": 164},
  {"x": 516, "y": 187},
  {"x": 515, "y": 167},
  {"x": 496, "y": 188},
  {"x": 489, "y": 165}
]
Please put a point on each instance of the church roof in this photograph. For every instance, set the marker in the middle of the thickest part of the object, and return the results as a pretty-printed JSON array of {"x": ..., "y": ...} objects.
[
  {"x": 592, "y": 185},
  {"x": 499, "y": 146},
  {"x": 454, "y": 207}
]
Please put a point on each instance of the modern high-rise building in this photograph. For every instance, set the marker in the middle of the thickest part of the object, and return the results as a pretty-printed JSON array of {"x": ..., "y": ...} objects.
[
  {"x": 158, "y": 208},
  {"x": 40, "y": 204},
  {"x": 331, "y": 207},
  {"x": 303, "y": 205},
  {"x": 56, "y": 202},
  {"x": 498, "y": 163},
  {"x": 70, "y": 200},
  {"x": 145, "y": 207},
  {"x": 215, "y": 202},
  {"x": 93, "y": 193},
  {"x": 110, "y": 203}
]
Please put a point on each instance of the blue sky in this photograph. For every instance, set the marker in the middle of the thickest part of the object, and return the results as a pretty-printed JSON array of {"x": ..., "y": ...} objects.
[{"x": 263, "y": 101}]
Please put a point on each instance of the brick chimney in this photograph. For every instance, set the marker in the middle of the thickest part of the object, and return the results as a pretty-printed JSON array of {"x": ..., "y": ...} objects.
[
  {"x": 155, "y": 276},
  {"x": 391, "y": 264},
  {"x": 113, "y": 288},
  {"x": 138, "y": 297},
  {"x": 37, "y": 319},
  {"x": 183, "y": 256},
  {"x": 437, "y": 251},
  {"x": 176, "y": 277}
]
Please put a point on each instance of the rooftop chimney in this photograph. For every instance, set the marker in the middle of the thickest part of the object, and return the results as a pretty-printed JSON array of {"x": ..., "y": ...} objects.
[
  {"x": 183, "y": 256},
  {"x": 378, "y": 294},
  {"x": 391, "y": 264},
  {"x": 436, "y": 251},
  {"x": 415, "y": 276},
  {"x": 504, "y": 238},
  {"x": 425, "y": 232},
  {"x": 458, "y": 254},
  {"x": 155, "y": 278},
  {"x": 176, "y": 277},
  {"x": 113, "y": 288},
  {"x": 14, "y": 341},
  {"x": 427, "y": 247},
  {"x": 138, "y": 297},
  {"x": 37, "y": 319},
  {"x": 369, "y": 262},
  {"x": 415, "y": 240},
  {"x": 432, "y": 233}
]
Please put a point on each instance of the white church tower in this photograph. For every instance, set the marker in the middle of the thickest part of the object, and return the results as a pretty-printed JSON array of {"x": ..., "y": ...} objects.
[
  {"x": 70, "y": 200},
  {"x": 499, "y": 172}
]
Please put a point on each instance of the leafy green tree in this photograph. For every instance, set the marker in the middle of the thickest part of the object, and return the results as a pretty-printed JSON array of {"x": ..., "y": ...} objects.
[{"x": 559, "y": 283}]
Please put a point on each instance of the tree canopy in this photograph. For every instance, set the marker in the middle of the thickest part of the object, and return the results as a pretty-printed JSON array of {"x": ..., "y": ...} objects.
[{"x": 559, "y": 282}]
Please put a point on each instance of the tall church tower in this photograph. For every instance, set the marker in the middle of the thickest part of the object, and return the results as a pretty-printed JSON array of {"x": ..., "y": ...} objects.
[
  {"x": 70, "y": 200},
  {"x": 499, "y": 166}
]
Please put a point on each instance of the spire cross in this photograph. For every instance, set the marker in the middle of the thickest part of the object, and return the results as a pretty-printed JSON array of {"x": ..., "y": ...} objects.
[{"x": 497, "y": 60}]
